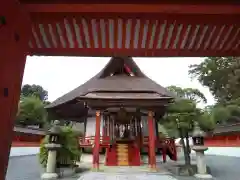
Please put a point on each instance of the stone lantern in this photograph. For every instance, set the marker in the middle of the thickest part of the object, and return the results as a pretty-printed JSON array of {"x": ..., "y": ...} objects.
[
  {"x": 198, "y": 135},
  {"x": 198, "y": 146},
  {"x": 52, "y": 146}
]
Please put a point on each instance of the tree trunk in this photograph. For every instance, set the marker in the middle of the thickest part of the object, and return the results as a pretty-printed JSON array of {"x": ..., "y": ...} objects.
[
  {"x": 188, "y": 150},
  {"x": 187, "y": 169},
  {"x": 184, "y": 146}
]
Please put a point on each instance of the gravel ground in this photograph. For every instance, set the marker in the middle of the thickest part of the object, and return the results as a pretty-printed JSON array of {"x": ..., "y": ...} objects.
[
  {"x": 27, "y": 168},
  {"x": 222, "y": 168},
  {"x": 23, "y": 168}
]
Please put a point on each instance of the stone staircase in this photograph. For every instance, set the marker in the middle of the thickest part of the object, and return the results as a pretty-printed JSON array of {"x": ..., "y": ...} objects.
[{"x": 122, "y": 155}]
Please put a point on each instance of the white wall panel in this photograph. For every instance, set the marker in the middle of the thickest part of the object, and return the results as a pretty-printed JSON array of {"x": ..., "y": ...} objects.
[
  {"x": 144, "y": 120},
  {"x": 91, "y": 126}
]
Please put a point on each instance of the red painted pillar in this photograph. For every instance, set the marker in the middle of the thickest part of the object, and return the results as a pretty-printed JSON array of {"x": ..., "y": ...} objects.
[
  {"x": 15, "y": 27},
  {"x": 151, "y": 149},
  {"x": 97, "y": 142}
]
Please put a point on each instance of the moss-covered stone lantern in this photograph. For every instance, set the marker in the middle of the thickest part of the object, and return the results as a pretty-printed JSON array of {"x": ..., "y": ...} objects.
[{"x": 53, "y": 145}]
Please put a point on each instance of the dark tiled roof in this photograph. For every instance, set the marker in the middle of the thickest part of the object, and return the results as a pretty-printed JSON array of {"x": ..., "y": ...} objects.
[
  {"x": 227, "y": 129},
  {"x": 103, "y": 82}
]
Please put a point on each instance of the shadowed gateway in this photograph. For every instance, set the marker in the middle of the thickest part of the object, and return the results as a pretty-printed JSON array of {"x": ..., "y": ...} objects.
[
  {"x": 120, "y": 107},
  {"x": 167, "y": 28}
]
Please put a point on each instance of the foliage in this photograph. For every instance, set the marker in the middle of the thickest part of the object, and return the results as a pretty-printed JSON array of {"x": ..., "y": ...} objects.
[
  {"x": 185, "y": 110},
  {"x": 34, "y": 90},
  {"x": 206, "y": 121},
  {"x": 228, "y": 113},
  {"x": 162, "y": 132},
  {"x": 188, "y": 93},
  {"x": 181, "y": 115},
  {"x": 221, "y": 75},
  {"x": 43, "y": 155},
  {"x": 69, "y": 151},
  {"x": 31, "y": 111}
]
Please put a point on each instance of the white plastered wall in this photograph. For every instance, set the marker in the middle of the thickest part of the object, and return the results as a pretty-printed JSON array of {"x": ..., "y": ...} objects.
[{"x": 91, "y": 126}]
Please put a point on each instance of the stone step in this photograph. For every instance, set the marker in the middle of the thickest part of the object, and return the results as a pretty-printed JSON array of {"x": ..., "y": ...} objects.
[
  {"x": 122, "y": 145},
  {"x": 123, "y": 163},
  {"x": 123, "y": 150},
  {"x": 122, "y": 155}
]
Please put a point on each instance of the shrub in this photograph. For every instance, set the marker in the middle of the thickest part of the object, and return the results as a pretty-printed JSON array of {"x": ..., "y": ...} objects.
[{"x": 68, "y": 154}]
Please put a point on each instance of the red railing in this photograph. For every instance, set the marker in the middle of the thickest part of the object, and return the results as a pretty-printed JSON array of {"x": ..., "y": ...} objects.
[
  {"x": 167, "y": 145},
  {"x": 89, "y": 141},
  {"x": 105, "y": 141}
]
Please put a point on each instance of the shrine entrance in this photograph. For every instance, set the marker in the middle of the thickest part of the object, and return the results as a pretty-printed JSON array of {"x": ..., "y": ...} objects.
[
  {"x": 122, "y": 132},
  {"x": 126, "y": 127}
]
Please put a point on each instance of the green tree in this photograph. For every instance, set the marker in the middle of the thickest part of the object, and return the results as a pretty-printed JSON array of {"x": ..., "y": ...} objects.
[
  {"x": 188, "y": 93},
  {"x": 179, "y": 119},
  {"x": 31, "y": 111},
  {"x": 34, "y": 90},
  {"x": 181, "y": 115},
  {"x": 222, "y": 114},
  {"x": 221, "y": 75}
]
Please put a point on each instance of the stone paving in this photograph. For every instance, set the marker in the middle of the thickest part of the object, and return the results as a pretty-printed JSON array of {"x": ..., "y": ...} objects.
[
  {"x": 125, "y": 176},
  {"x": 27, "y": 168}
]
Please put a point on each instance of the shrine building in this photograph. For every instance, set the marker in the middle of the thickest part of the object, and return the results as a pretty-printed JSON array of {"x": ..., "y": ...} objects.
[{"x": 120, "y": 108}]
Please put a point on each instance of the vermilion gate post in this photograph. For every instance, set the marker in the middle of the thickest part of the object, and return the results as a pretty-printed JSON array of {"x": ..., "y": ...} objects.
[{"x": 14, "y": 32}]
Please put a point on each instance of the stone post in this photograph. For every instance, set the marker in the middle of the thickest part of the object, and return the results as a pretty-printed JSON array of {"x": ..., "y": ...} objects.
[
  {"x": 199, "y": 148},
  {"x": 52, "y": 146}
]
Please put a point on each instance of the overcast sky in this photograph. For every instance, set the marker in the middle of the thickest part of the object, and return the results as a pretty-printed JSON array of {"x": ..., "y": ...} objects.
[{"x": 59, "y": 75}]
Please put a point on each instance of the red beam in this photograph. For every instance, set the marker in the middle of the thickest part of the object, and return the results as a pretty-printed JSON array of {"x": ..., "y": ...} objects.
[
  {"x": 129, "y": 52},
  {"x": 134, "y": 8},
  {"x": 25, "y": 144},
  {"x": 223, "y": 141}
]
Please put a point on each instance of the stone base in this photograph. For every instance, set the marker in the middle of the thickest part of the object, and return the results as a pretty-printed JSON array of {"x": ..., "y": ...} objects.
[
  {"x": 50, "y": 176},
  {"x": 203, "y": 176}
]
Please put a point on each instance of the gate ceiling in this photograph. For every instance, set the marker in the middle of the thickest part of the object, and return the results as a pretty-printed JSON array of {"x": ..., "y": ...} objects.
[{"x": 156, "y": 30}]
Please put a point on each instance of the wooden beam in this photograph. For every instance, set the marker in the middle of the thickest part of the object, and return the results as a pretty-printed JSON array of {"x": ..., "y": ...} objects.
[
  {"x": 15, "y": 30},
  {"x": 133, "y": 8},
  {"x": 132, "y": 52}
]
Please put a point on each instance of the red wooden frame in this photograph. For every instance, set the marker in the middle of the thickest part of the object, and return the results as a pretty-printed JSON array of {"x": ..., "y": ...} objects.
[
  {"x": 134, "y": 8},
  {"x": 89, "y": 141},
  {"x": 223, "y": 141},
  {"x": 15, "y": 33},
  {"x": 163, "y": 144}
]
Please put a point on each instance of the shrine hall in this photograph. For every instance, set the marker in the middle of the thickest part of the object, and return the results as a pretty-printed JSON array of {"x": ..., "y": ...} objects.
[{"x": 121, "y": 108}]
